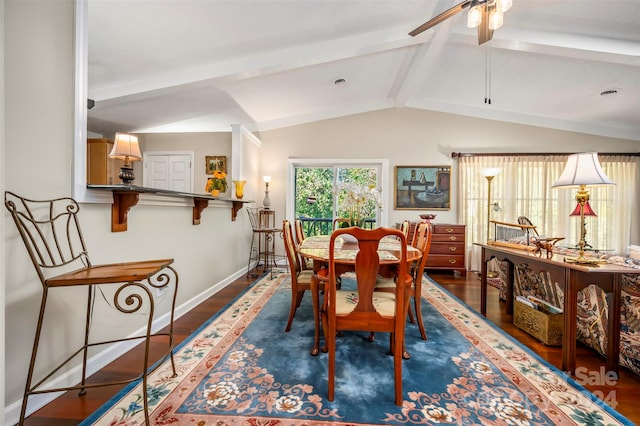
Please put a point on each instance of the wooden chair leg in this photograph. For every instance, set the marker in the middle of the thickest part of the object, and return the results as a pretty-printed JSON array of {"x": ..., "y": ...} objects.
[
  {"x": 397, "y": 369},
  {"x": 411, "y": 318},
  {"x": 331, "y": 343},
  {"x": 296, "y": 299},
  {"x": 300, "y": 296},
  {"x": 292, "y": 311},
  {"x": 418, "y": 307}
]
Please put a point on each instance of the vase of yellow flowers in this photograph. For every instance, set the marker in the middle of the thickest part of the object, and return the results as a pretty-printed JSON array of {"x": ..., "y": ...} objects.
[{"x": 217, "y": 183}]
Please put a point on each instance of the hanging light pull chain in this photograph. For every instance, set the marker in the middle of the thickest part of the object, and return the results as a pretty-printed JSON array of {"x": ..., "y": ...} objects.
[{"x": 487, "y": 75}]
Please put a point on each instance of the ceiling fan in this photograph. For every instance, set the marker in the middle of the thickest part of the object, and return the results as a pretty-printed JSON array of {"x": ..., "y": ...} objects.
[{"x": 486, "y": 15}]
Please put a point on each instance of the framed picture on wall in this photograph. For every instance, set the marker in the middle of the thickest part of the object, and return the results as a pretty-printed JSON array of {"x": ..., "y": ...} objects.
[
  {"x": 422, "y": 188},
  {"x": 214, "y": 163}
]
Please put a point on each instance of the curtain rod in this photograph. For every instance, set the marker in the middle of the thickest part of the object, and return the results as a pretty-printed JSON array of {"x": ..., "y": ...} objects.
[{"x": 522, "y": 154}]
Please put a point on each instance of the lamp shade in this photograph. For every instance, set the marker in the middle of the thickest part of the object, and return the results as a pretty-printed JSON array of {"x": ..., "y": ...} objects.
[
  {"x": 490, "y": 171},
  {"x": 126, "y": 147},
  {"x": 582, "y": 169},
  {"x": 588, "y": 211}
]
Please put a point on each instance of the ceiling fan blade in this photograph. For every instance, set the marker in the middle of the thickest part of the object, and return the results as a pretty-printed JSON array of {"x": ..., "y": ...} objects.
[
  {"x": 443, "y": 16},
  {"x": 484, "y": 33}
]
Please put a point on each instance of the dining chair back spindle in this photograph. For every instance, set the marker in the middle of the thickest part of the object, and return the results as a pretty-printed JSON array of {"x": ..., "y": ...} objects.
[
  {"x": 300, "y": 236},
  {"x": 50, "y": 231},
  {"x": 405, "y": 226},
  {"x": 364, "y": 309},
  {"x": 299, "y": 230}
]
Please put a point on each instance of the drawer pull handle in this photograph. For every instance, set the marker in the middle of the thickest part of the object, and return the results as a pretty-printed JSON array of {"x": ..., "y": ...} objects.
[
  {"x": 452, "y": 249},
  {"x": 453, "y": 238},
  {"x": 452, "y": 261},
  {"x": 449, "y": 230}
]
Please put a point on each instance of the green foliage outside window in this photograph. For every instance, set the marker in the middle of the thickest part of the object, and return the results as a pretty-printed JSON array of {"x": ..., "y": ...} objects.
[{"x": 315, "y": 191}]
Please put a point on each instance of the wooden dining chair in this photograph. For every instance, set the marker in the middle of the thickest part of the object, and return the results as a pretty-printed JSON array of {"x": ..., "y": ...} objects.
[
  {"x": 300, "y": 279},
  {"x": 405, "y": 226},
  {"x": 50, "y": 231},
  {"x": 297, "y": 225},
  {"x": 364, "y": 309},
  {"x": 421, "y": 241}
]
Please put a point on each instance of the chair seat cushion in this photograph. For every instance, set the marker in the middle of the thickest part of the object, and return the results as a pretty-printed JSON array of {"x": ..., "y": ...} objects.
[
  {"x": 304, "y": 277},
  {"x": 383, "y": 302}
]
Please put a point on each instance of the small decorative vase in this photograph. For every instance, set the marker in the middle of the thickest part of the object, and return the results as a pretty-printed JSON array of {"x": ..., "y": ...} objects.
[
  {"x": 215, "y": 192},
  {"x": 239, "y": 188}
]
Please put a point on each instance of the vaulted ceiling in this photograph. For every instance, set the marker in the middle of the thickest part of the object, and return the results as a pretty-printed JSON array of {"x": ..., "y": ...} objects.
[{"x": 202, "y": 65}]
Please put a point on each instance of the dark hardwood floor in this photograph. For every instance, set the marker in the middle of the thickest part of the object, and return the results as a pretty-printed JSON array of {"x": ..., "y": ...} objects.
[{"x": 70, "y": 409}]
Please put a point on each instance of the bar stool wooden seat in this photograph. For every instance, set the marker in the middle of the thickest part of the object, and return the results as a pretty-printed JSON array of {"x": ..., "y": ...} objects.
[{"x": 50, "y": 230}]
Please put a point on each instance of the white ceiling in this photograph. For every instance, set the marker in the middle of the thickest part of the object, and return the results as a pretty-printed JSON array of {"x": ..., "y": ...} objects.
[{"x": 202, "y": 65}]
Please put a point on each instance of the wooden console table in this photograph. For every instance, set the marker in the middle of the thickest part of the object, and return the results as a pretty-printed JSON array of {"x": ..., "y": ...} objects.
[
  {"x": 572, "y": 278},
  {"x": 126, "y": 196}
]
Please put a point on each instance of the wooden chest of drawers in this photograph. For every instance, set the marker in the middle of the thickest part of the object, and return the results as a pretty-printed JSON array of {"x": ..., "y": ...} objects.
[{"x": 447, "y": 248}]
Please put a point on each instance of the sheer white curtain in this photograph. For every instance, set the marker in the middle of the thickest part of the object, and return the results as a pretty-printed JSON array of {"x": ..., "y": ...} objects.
[{"x": 523, "y": 188}]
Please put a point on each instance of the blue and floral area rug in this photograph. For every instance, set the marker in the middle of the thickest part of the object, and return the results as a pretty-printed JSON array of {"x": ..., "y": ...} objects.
[{"x": 241, "y": 368}]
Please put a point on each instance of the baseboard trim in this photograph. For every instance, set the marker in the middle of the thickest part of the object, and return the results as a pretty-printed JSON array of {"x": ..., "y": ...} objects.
[{"x": 111, "y": 353}]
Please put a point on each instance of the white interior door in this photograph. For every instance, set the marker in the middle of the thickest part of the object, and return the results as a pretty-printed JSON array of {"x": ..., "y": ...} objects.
[{"x": 168, "y": 170}]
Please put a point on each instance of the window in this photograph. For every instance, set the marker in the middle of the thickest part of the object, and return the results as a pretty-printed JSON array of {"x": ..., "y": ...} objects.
[{"x": 313, "y": 197}]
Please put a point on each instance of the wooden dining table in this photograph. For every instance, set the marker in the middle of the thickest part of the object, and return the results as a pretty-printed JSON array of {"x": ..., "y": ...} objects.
[{"x": 317, "y": 249}]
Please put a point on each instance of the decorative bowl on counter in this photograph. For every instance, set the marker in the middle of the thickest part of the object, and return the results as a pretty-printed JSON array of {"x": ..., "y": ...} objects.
[{"x": 428, "y": 216}]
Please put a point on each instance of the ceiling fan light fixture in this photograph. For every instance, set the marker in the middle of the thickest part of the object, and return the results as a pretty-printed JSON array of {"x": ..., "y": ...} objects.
[
  {"x": 474, "y": 18},
  {"x": 504, "y": 5},
  {"x": 495, "y": 19}
]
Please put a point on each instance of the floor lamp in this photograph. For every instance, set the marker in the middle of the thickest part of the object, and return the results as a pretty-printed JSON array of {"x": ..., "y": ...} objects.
[
  {"x": 581, "y": 170},
  {"x": 489, "y": 174}
]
